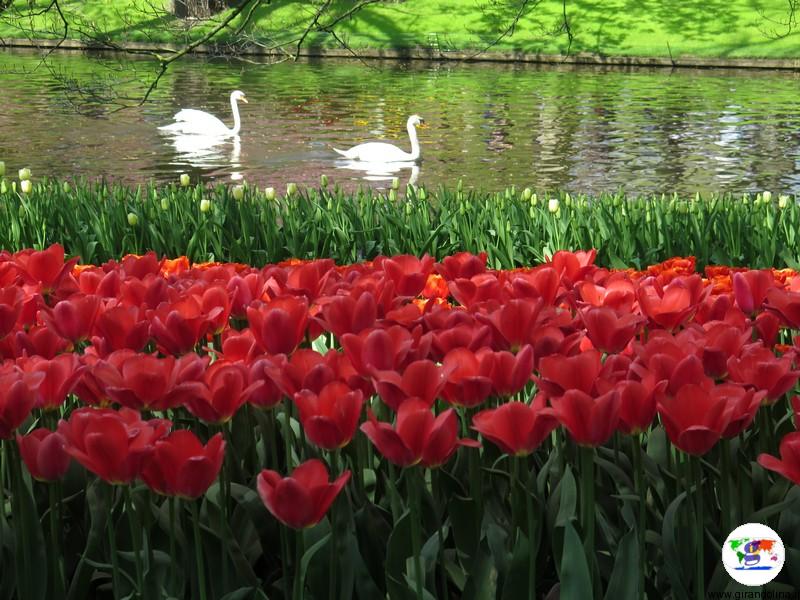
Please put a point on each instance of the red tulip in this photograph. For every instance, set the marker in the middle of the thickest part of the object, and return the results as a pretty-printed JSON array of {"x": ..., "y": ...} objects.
[
  {"x": 514, "y": 321},
  {"x": 73, "y": 319},
  {"x": 146, "y": 382},
  {"x": 111, "y": 444},
  {"x": 301, "y": 499},
  {"x": 43, "y": 452},
  {"x": 45, "y": 268},
  {"x": 120, "y": 328},
  {"x": 347, "y": 314},
  {"x": 408, "y": 273},
  {"x": 789, "y": 463},
  {"x": 61, "y": 375},
  {"x": 17, "y": 397},
  {"x": 697, "y": 416},
  {"x": 471, "y": 336},
  {"x": 760, "y": 368},
  {"x": 517, "y": 428},
  {"x": 609, "y": 331},
  {"x": 796, "y": 408},
  {"x": 750, "y": 289},
  {"x": 227, "y": 389},
  {"x": 638, "y": 403},
  {"x": 590, "y": 421},
  {"x": 462, "y": 265},
  {"x": 744, "y": 405},
  {"x": 418, "y": 437},
  {"x": 279, "y": 325},
  {"x": 561, "y": 373},
  {"x": 422, "y": 379},
  {"x": 509, "y": 373},
  {"x": 768, "y": 326},
  {"x": 466, "y": 385},
  {"x": 39, "y": 341},
  {"x": 180, "y": 465},
  {"x": 178, "y": 327},
  {"x": 670, "y": 306},
  {"x": 264, "y": 392},
  {"x": 786, "y": 304},
  {"x": 381, "y": 349},
  {"x": 330, "y": 418},
  {"x": 574, "y": 266},
  {"x": 306, "y": 370},
  {"x": 216, "y": 301},
  {"x": 11, "y": 299},
  {"x": 616, "y": 293},
  {"x": 311, "y": 277}
]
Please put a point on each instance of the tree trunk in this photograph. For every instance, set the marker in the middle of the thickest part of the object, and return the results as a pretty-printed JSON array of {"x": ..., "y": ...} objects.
[{"x": 199, "y": 9}]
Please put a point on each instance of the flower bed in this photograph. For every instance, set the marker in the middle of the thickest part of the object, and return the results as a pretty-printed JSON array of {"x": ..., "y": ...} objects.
[{"x": 403, "y": 427}]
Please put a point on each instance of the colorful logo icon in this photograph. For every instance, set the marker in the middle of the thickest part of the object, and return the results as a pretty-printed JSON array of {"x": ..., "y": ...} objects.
[{"x": 753, "y": 554}]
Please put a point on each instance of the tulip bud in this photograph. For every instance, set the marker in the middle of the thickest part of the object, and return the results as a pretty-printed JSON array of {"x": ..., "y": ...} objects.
[
  {"x": 185, "y": 180},
  {"x": 291, "y": 189},
  {"x": 460, "y": 185},
  {"x": 783, "y": 201},
  {"x": 767, "y": 196},
  {"x": 553, "y": 205},
  {"x": 422, "y": 194},
  {"x": 269, "y": 193},
  {"x": 2, "y": 168},
  {"x": 392, "y": 195},
  {"x": 65, "y": 187},
  {"x": 323, "y": 180},
  {"x": 527, "y": 194},
  {"x": 164, "y": 204},
  {"x": 3, "y": 187},
  {"x": 25, "y": 186},
  {"x": 205, "y": 205},
  {"x": 395, "y": 183},
  {"x": 133, "y": 220},
  {"x": 24, "y": 174},
  {"x": 238, "y": 192},
  {"x": 409, "y": 208}
]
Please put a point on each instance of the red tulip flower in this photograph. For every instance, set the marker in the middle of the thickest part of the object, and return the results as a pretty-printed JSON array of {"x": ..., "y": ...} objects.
[
  {"x": 44, "y": 454},
  {"x": 668, "y": 307},
  {"x": 744, "y": 405},
  {"x": 179, "y": 326},
  {"x": 45, "y": 268},
  {"x": 330, "y": 418},
  {"x": 466, "y": 385},
  {"x": 227, "y": 389},
  {"x": 408, "y": 273},
  {"x": 462, "y": 265},
  {"x": 346, "y": 314},
  {"x": 786, "y": 304},
  {"x": 418, "y": 437},
  {"x": 789, "y": 463},
  {"x": 760, "y": 368},
  {"x": 17, "y": 397},
  {"x": 515, "y": 427},
  {"x": 120, "y": 328},
  {"x": 561, "y": 373},
  {"x": 750, "y": 289},
  {"x": 303, "y": 498},
  {"x": 381, "y": 349},
  {"x": 515, "y": 321},
  {"x": 590, "y": 421},
  {"x": 61, "y": 375},
  {"x": 638, "y": 403},
  {"x": 180, "y": 465},
  {"x": 509, "y": 373},
  {"x": 422, "y": 379},
  {"x": 279, "y": 325},
  {"x": 609, "y": 331},
  {"x": 73, "y": 319},
  {"x": 111, "y": 444},
  {"x": 697, "y": 416},
  {"x": 11, "y": 299},
  {"x": 796, "y": 408}
]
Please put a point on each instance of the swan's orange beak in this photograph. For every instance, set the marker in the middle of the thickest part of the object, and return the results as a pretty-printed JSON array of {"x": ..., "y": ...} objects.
[{"x": 422, "y": 124}]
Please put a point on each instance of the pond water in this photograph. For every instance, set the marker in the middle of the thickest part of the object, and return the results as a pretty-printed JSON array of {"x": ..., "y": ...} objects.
[{"x": 492, "y": 125}]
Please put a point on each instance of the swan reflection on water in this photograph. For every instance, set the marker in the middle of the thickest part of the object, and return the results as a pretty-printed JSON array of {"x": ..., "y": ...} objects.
[
  {"x": 207, "y": 151},
  {"x": 381, "y": 171}
]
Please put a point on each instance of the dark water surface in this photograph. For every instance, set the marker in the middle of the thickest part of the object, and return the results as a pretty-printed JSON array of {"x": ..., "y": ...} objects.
[{"x": 493, "y": 125}]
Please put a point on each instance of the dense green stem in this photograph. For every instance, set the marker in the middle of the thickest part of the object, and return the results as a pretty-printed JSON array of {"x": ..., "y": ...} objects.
[
  {"x": 415, "y": 485},
  {"x": 173, "y": 568},
  {"x": 55, "y": 545},
  {"x": 198, "y": 550},
  {"x": 298, "y": 559},
  {"x": 587, "y": 495},
  {"x": 699, "y": 527},
  {"x": 725, "y": 489},
  {"x": 284, "y": 534},
  {"x": 135, "y": 539},
  {"x": 112, "y": 542},
  {"x": 641, "y": 489},
  {"x": 436, "y": 477},
  {"x": 333, "y": 563},
  {"x": 533, "y": 546}
]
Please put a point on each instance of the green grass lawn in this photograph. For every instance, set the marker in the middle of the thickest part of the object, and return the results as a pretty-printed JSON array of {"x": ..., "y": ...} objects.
[{"x": 690, "y": 28}]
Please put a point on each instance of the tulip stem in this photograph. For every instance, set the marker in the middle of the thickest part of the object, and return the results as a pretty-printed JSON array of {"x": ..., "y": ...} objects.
[
  {"x": 533, "y": 545},
  {"x": 287, "y": 433},
  {"x": 332, "y": 566},
  {"x": 698, "y": 476},
  {"x": 198, "y": 550},
  {"x": 587, "y": 475},
  {"x": 641, "y": 490},
  {"x": 441, "y": 501},
  {"x": 173, "y": 575},
  {"x": 135, "y": 540},
  {"x": 285, "y": 562},
  {"x": 298, "y": 559},
  {"x": 112, "y": 542},
  {"x": 58, "y": 562},
  {"x": 415, "y": 480},
  {"x": 272, "y": 460},
  {"x": 3, "y": 445},
  {"x": 726, "y": 484}
]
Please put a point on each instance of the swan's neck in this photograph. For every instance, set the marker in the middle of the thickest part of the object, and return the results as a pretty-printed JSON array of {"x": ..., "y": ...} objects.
[
  {"x": 412, "y": 133},
  {"x": 237, "y": 123}
]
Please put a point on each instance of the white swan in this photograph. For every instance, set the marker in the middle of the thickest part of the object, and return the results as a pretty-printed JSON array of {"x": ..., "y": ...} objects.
[
  {"x": 200, "y": 122},
  {"x": 381, "y": 152}
]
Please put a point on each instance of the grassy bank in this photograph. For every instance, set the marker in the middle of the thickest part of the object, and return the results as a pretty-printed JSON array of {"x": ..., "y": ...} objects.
[
  {"x": 657, "y": 28},
  {"x": 515, "y": 227}
]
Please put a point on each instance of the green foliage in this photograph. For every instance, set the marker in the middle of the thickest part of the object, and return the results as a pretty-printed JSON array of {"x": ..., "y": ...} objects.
[{"x": 92, "y": 221}]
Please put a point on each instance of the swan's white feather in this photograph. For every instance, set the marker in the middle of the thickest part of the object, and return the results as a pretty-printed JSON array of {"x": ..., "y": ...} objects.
[
  {"x": 190, "y": 120},
  {"x": 378, "y": 152}
]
